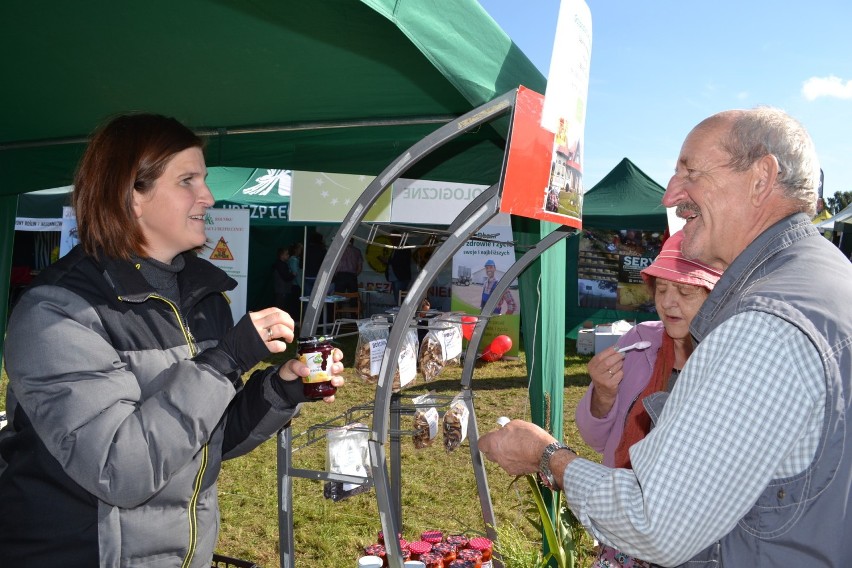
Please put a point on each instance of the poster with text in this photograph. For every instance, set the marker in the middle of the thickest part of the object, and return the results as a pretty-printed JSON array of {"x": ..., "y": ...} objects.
[
  {"x": 228, "y": 248},
  {"x": 477, "y": 267},
  {"x": 609, "y": 269}
]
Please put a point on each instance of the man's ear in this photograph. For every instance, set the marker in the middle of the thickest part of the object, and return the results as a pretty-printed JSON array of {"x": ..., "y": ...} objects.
[{"x": 765, "y": 172}]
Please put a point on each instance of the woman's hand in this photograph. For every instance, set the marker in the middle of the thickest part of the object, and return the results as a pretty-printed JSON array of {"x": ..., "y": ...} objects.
[
  {"x": 275, "y": 327},
  {"x": 295, "y": 369},
  {"x": 606, "y": 369}
]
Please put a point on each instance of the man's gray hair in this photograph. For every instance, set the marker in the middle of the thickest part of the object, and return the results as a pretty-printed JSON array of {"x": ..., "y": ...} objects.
[{"x": 758, "y": 132}]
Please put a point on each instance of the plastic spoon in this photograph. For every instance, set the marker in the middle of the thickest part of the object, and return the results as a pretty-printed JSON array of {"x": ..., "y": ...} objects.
[{"x": 637, "y": 345}]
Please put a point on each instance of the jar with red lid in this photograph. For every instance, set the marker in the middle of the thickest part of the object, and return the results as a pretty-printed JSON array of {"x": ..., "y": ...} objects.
[
  {"x": 485, "y": 546},
  {"x": 471, "y": 554},
  {"x": 432, "y": 560},
  {"x": 447, "y": 550},
  {"x": 419, "y": 547},
  {"x": 432, "y": 537},
  {"x": 315, "y": 352}
]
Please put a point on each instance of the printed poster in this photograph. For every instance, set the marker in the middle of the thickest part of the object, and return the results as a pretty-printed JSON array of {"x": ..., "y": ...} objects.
[
  {"x": 228, "y": 248},
  {"x": 609, "y": 269},
  {"x": 477, "y": 267}
]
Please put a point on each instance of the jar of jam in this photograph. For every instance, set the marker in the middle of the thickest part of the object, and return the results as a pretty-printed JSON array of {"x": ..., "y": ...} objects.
[
  {"x": 315, "y": 352},
  {"x": 474, "y": 556},
  {"x": 432, "y": 560},
  {"x": 447, "y": 550},
  {"x": 419, "y": 547},
  {"x": 484, "y": 546},
  {"x": 459, "y": 540},
  {"x": 377, "y": 551},
  {"x": 460, "y": 564},
  {"x": 432, "y": 537}
]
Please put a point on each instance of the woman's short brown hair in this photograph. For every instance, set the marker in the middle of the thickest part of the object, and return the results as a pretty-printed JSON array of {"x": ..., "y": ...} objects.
[{"x": 129, "y": 152}]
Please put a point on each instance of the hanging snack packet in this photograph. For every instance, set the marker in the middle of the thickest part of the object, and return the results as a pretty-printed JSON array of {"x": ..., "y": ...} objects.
[
  {"x": 441, "y": 346},
  {"x": 372, "y": 341},
  {"x": 425, "y": 421},
  {"x": 347, "y": 454},
  {"x": 455, "y": 423}
]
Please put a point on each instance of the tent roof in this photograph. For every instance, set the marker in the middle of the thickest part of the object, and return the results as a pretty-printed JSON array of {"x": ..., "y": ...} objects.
[
  {"x": 844, "y": 216},
  {"x": 335, "y": 86},
  {"x": 626, "y": 198}
]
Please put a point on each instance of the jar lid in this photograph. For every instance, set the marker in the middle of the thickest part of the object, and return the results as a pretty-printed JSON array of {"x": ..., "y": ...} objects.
[
  {"x": 314, "y": 339},
  {"x": 459, "y": 540},
  {"x": 419, "y": 547},
  {"x": 375, "y": 550},
  {"x": 432, "y": 536},
  {"x": 480, "y": 543},
  {"x": 459, "y": 563}
]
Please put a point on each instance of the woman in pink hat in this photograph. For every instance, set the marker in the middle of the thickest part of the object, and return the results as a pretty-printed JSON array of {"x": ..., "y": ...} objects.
[{"x": 610, "y": 416}]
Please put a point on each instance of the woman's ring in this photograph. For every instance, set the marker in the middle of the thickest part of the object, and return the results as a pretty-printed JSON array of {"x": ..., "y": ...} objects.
[
  {"x": 269, "y": 335},
  {"x": 610, "y": 372}
]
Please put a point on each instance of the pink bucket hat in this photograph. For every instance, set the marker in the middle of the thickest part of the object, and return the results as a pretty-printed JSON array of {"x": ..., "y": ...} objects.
[{"x": 672, "y": 265}]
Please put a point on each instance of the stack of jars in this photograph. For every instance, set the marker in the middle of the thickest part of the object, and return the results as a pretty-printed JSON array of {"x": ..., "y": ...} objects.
[{"x": 436, "y": 551}]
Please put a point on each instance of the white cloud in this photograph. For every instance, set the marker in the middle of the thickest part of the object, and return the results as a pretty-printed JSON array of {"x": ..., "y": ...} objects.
[{"x": 830, "y": 86}]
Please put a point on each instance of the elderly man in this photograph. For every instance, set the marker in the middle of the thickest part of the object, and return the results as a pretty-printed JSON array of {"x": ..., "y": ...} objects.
[{"x": 750, "y": 459}]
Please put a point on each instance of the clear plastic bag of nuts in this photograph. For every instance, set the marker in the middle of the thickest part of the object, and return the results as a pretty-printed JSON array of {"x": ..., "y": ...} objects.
[
  {"x": 441, "y": 346},
  {"x": 455, "y": 423},
  {"x": 426, "y": 421},
  {"x": 372, "y": 341}
]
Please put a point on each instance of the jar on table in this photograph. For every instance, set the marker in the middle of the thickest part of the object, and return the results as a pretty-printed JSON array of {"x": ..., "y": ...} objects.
[
  {"x": 460, "y": 564},
  {"x": 432, "y": 537},
  {"x": 459, "y": 540},
  {"x": 447, "y": 550},
  {"x": 419, "y": 547},
  {"x": 471, "y": 554},
  {"x": 432, "y": 560},
  {"x": 485, "y": 546},
  {"x": 315, "y": 352},
  {"x": 377, "y": 550}
]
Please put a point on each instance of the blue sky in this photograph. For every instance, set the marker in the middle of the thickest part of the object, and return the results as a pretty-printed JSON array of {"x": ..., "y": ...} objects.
[{"x": 658, "y": 68}]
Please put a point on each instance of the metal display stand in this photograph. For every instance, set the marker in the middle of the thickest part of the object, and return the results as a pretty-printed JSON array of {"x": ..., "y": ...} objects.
[{"x": 386, "y": 475}]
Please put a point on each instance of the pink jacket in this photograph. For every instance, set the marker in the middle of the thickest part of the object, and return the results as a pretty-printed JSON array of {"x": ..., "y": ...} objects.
[{"x": 604, "y": 434}]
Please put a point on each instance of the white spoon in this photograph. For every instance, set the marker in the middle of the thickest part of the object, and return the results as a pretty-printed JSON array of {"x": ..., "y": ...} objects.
[{"x": 637, "y": 345}]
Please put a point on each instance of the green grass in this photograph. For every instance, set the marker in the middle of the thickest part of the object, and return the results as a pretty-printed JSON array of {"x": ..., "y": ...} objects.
[{"x": 438, "y": 488}]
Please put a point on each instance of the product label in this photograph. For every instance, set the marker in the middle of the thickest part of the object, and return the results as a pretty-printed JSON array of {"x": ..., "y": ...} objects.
[
  {"x": 451, "y": 343},
  {"x": 377, "y": 351},
  {"x": 407, "y": 363},
  {"x": 317, "y": 364}
]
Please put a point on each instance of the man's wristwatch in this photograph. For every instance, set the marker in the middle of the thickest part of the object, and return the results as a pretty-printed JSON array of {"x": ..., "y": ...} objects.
[{"x": 544, "y": 464}]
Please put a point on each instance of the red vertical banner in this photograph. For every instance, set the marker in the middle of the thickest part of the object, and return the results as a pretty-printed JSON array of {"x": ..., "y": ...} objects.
[{"x": 544, "y": 168}]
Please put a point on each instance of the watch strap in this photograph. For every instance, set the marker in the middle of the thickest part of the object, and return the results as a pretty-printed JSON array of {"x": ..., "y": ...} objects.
[{"x": 547, "y": 478}]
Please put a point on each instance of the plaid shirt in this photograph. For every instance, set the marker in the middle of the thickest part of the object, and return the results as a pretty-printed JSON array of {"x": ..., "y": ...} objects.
[{"x": 747, "y": 408}]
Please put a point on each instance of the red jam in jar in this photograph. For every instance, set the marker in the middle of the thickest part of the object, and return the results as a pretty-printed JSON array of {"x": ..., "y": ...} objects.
[
  {"x": 470, "y": 554},
  {"x": 460, "y": 564},
  {"x": 432, "y": 560},
  {"x": 315, "y": 352},
  {"x": 459, "y": 540},
  {"x": 418, "y": 548},
  {"x": 432, "y": 537},
  {"x": 447, "y": 550},
  {"x": 484, "y": 546}
]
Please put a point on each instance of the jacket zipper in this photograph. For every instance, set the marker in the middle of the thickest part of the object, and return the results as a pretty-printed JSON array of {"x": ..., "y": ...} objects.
[{"x": 192, "y": 511}]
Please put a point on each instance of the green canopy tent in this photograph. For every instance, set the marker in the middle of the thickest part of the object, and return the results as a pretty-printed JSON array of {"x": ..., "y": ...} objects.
[
  {"x": 336, "y": 86},
  {"x": 626, "y": 198}
]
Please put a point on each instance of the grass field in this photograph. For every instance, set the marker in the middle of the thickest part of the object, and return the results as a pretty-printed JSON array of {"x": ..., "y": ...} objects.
[{"x": 438, "y": 488}]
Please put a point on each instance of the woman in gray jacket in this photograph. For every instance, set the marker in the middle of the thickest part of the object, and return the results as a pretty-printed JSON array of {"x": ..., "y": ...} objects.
[{"x": 125, "y": 369}]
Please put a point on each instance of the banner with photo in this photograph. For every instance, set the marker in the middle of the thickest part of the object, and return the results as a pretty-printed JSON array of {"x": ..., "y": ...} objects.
[
  {"x": 477, "y": 267},
  {"x": 609, "y": 266}
]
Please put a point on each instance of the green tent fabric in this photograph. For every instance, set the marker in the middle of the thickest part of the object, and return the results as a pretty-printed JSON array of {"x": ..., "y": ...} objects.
[
  {"x": 626, "y": 198},
  {"x": 335, "y": 86}
]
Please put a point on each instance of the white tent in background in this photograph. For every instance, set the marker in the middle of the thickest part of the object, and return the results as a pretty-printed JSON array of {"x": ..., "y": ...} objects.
[{"x": 844, "y": 216}]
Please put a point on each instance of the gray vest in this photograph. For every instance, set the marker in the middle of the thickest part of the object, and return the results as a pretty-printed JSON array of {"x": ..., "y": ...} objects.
[{"x": 791, "y": 272}]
